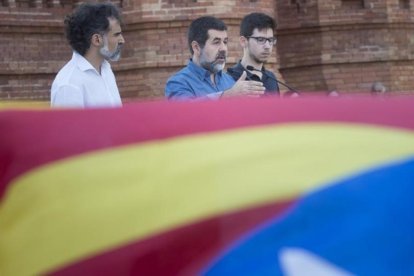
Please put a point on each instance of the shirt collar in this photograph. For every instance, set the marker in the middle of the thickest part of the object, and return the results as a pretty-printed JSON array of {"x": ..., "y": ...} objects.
[
  {"x": 200, "y": 71},
  {"x": 240, "y": 67},
  {"x": 84, "y": 64}
]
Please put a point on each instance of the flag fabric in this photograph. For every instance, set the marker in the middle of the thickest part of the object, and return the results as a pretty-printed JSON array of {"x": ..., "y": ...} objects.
[{"x": 239, "y": 187}]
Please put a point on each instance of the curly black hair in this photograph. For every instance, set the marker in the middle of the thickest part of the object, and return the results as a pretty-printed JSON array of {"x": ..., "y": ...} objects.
[{"x": 89, "y": 19}]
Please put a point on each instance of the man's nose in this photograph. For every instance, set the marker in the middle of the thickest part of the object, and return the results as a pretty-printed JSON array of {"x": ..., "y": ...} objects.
[
  {"x": 121, "y": 40},
  {"x": 268, "y": 44}
]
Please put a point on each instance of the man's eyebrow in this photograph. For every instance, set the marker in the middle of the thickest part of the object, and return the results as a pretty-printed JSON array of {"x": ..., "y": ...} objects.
[
  {"x": 118, "y": 33},
  {"x": 219, "y": 38}
]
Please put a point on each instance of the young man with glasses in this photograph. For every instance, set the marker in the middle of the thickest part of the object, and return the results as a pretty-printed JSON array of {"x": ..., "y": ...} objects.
[
  {"x": 257, "y": 39},
  {"x": 203, "y": 77}
]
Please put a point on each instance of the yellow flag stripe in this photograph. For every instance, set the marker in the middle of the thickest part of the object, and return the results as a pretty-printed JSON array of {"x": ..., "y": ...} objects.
[{"x": 77, "y": 207}]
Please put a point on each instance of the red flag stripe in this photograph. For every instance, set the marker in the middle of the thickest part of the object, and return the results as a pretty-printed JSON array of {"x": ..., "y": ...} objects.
[{"x": 170, "y": 253}]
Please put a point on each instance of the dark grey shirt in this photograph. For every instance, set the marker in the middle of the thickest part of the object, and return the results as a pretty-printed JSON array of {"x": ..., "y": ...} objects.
[{"x": 268, "y": 78}]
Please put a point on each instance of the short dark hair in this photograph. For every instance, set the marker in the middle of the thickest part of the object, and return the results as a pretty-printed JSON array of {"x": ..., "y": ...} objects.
[
  {"x": 198, "y": 30},
  {"x": 256, "y": 20},
  {"x": 87, "y": 20}
]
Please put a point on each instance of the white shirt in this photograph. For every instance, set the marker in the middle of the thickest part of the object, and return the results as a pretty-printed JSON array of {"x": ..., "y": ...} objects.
[{"x": 78, "y": 84}]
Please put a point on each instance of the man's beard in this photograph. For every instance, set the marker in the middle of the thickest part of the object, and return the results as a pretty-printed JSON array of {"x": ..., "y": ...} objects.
[
  {"x": 108, "y": 55},
  {"x": 213, "y": 66}
]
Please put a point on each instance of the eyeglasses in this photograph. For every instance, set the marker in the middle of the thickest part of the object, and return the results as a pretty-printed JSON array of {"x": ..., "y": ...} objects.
[{"x": 262, "y": 40}]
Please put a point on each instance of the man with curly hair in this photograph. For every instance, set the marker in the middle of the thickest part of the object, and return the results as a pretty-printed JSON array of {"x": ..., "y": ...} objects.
[{"x": 95, "y": 35}]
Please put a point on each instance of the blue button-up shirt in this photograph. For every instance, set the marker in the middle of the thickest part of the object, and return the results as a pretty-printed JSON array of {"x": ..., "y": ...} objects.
[{"x": 194, "y": 81}]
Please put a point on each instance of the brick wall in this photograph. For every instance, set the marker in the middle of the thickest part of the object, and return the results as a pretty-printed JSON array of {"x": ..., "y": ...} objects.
[
  {"x": 32, "y": 49},
  {"x": 342, "y": 45},
  {"x": 346, "y": 45}
]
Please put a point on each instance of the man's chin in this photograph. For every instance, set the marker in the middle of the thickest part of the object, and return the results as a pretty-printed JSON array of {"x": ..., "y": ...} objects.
[
  {"x": 213, "y": 67},
  {"x": 219, "y": 65},
  {"x": 218, "y": 68},
  {"x": 115, "y": 58},
  {"x": 110, "y": 56},
  {"x": 263, "y": 58}
]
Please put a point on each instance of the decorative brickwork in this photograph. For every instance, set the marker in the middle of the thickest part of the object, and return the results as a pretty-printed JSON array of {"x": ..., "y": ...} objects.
[
  {"x": 346, "y": 45},
  {"x": 342, "y": 45}
]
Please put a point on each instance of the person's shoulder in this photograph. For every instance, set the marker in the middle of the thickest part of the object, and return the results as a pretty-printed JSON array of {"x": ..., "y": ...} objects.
[
  {"x": 270, "y": 73},
  {"x": 235, "y": 71},
  {"x": 71, "y": 75},
  {"x": 65, "y": 72},
  {"x": 228, "y": 77},
  {"x": 182, "y": 75},
  {"x": 179, "y": 85}
]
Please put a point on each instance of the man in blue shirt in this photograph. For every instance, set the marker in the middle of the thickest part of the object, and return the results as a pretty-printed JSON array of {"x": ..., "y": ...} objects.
[{"x": 203, "y": 77}]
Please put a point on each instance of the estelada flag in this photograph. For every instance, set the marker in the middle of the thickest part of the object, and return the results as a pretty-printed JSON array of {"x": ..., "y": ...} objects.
[{"x": 241, "y": 187}]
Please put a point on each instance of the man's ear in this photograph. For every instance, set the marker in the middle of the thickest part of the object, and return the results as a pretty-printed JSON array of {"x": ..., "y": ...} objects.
[
  {"x": 196, "y": 48},
  {"x": 97, "y": 40},
  {"x": 243, "y": 41}
]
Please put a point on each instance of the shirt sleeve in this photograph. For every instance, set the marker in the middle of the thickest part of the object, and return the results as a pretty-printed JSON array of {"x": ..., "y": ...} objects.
[
  {"x": 215, "y": 96},
  {"x": 178, "y": 90},
  {"x": 67, "y": 96}
]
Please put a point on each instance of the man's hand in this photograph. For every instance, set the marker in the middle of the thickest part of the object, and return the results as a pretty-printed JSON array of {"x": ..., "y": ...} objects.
[{"x": 244, "y": 87}]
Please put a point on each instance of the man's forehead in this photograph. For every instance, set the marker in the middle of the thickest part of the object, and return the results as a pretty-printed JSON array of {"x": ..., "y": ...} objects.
[
  {"x": 213, "y": 34},
  {"x": 262, "y": 31},
  {"x": 114, "y": 24}
]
